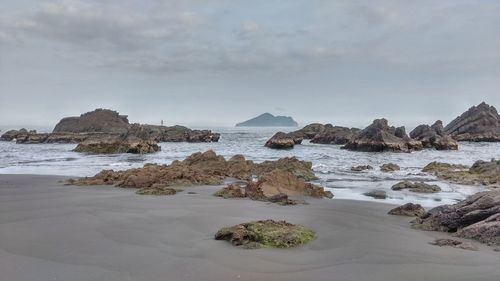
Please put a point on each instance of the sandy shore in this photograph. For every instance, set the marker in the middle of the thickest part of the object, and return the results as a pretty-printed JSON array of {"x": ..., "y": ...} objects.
[{"x": 53, "y": 232}]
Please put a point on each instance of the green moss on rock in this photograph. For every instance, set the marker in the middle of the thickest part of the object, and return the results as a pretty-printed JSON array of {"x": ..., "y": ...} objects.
[
  {"x": 158, "y": 191},
  {"x": 266, "y": 233}
]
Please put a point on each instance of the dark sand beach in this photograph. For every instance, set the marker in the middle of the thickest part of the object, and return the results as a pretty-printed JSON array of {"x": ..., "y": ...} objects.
[{"x": 49, "y": 231}]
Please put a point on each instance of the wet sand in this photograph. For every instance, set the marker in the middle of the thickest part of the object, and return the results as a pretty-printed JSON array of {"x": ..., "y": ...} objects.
[{"x": 49, "y": 231}]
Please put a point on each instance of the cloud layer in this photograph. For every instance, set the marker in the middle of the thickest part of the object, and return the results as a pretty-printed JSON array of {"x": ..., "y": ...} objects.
[{"x": 432, "y": 47}]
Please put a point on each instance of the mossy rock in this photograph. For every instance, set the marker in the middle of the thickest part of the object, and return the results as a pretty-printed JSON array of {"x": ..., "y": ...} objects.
[
  {"x": 158, "y": 191},
  {"x": 266, "y": 233}
]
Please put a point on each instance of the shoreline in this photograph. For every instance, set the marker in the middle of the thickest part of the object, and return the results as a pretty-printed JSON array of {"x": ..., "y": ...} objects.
[{"x": 54, "y": 232}]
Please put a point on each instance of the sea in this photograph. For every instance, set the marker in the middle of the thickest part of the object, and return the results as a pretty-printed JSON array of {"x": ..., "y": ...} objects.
[{"x": 331, "y": 164}]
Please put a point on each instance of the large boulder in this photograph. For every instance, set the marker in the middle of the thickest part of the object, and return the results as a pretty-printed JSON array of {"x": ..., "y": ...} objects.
[
  {"x": 281, "y": 140},
  {"x": 172, "y": 134},
  {"x": 481, "y": 172},
  {"x": 479, "y": 123},
  {"x": 99, "y": 120},
  {"x": 335, "y": 135},
  {"x": 434, "y": 137},
  {"x": 379, "y": 136},
  {"x": 475, "y": 217}
]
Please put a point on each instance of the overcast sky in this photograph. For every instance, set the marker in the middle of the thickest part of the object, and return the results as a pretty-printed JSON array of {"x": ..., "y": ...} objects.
[{"x": 218, "y": 62}]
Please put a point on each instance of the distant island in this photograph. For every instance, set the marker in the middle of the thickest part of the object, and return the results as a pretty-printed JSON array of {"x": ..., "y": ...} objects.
[{"x": 269, "y": 120}]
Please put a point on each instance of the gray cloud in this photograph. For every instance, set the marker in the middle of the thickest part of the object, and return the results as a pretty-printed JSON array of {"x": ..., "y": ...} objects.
[{"x": 313, "y": 57}]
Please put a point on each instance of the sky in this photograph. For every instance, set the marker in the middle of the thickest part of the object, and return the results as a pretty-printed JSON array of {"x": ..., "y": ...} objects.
[{"x": 220, "y": 62}]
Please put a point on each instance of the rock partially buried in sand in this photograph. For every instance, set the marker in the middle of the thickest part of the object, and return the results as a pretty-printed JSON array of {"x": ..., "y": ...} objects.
[
  {"x": 389, "y": 167},
  {"x": 231, "y": 191},
  {"x": 266, "y": 233},
  {"x": 377, "y": 194},
  {"x": 361, "y": 168},
  {"x": 446, "y": 242},
  {"x": 476, "y": 217},
  {"x": 281, "y": 141},
  {"x": 420, "y": 187},
  {"x": 158, "y": 191},
  {"x": 482, "y": 172},
  {"x": 379, "y": 137},
  {"x": 409, "y": 210}
]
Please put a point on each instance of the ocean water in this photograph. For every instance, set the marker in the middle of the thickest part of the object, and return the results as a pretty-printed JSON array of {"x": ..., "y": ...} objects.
[{"x": 331, "y": 164}]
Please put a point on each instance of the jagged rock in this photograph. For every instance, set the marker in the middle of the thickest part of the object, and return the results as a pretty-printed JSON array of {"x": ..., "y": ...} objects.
[
  {"x": 475, "y": 217},
  {"x": 335, "y": 135},
  {"x": 361, "y": 168},
  {"x": 172, "y": 134},
  {"x": 99, "y": 120},
  {"x": 205, "y": 168},
  {"x": 110, "y": 145},
  {"x": 434, "y": 137},
  {"x": 408, "y": 209},
  {"x": 481, "y": 172},
  {"x": 269, "y": 120},
  {"x": 377, "y": 194},
  {"x": 267, "y": 233},
  {"x": 446, "y": 242},
  {"x": 479, "y": 123},
  {"x": 380, "y": 137},
  {"x": 157, "y": 190},
  {"x": 390, "y": 167},
  {"x": 419, "y": 187},
  {"x": 280, "y": 141}
]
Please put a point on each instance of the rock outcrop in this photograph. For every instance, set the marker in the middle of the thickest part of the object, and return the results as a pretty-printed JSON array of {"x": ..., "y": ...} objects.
[
  {"x": 266, "y": 233},
  {"x": 409, "y": 210},
  {"x": 276, "y": 186},
  {"x": 99, "y": 120},
  {"x": 434, "y": 137},
  {"x": 335, "y": 135},
  {"x": 205, "y": 168},
  {"x": 481, "y": 172},
  {"x": 117, "y": 144},
  {"x": 311, "y": 130},
  {"x": 476, "y": 217},
  {"x": 282, "y": 140},
  {"x": 419, "y": 187},
  {"x": 379, "y": 137},
  {"x": 16, "y": 134},
  {"x": 269, "y": 120},
  {"x": 479, "y": 123},
  {"x": 103, "y": 125}
]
